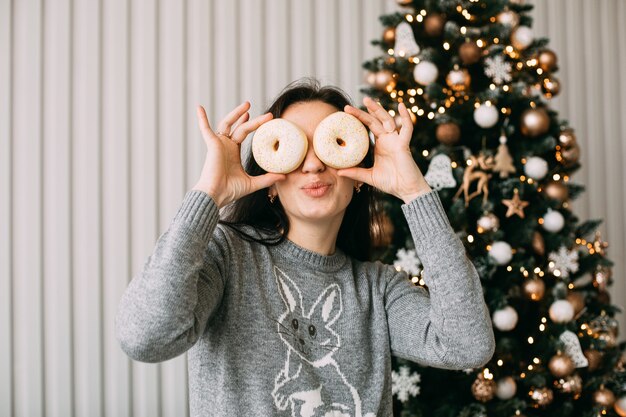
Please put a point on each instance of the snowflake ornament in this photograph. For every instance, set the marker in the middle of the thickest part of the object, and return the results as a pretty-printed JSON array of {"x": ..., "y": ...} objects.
[
  {"x": 403, "y": 384},
  {"x": 408, "y": 261},
  {"x": 498, "y": 69},
  {"x": 565, "y": 261}
]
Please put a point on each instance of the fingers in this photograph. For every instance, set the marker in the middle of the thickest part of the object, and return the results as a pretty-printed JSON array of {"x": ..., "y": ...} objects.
[
  {"x": 407, "y": 124},
  {"x": 265, "y": 180},
  {"x": 203, "y": 123},
  {"x": 370, "y": 121},
  {"x": 356, "y": 173},
  {"x": 383, "y": 116},
  {"x": 226, "y": 124},
  {"x": 244, "y": 118},
  {"x": 241, "y": 132}
]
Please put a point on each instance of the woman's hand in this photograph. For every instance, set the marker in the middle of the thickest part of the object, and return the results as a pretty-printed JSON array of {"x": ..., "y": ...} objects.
[
  {"x": 394, "y": 171},
  {"x": 223, "y": 177}
]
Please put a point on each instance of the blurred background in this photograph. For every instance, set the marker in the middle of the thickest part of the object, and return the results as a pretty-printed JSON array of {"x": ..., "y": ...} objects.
[{"x": 99, "y": 143}]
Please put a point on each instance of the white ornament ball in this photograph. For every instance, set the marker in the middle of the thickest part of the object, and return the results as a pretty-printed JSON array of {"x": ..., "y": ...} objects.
[
  {"x": 536, "y": 167},
  {"x": 508, "y": 18},
  {"x": 561, "y": 311},
  {"x": 505, "y": 319},
  {"x": 501, "y": 252},
  {"x": 620, "y": 406},
  {"x": 553, "y": 221},
  {"x": 425, "y": 72},
  {"x": 489, "y": 222},
  {"x": 506, "y": 388},
  {"x": 522, "y": 37},
  {"x": 486, "y": 116}
]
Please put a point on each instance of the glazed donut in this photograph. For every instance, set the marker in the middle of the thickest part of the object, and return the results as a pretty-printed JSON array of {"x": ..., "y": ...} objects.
[
  {"x": 279, "y": 146},
  {"x": 340, "y": 140}
]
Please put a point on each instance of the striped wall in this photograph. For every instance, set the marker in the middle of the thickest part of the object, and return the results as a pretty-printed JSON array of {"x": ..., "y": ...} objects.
[{"x": 99, "y": 143}]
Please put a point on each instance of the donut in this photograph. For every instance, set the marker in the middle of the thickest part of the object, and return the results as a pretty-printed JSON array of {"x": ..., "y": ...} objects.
[
  {"x": 340, "y": 140},
  {"x": 279, "y": 146}
]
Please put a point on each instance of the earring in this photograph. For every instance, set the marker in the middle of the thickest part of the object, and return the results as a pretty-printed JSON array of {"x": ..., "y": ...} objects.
[
  {"x": 272, "y": 198},
  {"x": 357, "y": 187}
]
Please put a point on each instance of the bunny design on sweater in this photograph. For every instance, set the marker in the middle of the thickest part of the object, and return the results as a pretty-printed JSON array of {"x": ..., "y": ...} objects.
[{"x": 311, "y": 343}]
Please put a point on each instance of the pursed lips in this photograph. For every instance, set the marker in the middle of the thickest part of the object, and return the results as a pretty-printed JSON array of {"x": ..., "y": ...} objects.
[{"x": 316, "y": 189}]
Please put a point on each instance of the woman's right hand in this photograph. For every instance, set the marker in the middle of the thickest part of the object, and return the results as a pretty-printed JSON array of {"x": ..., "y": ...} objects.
[{"x": 223, "y": 177}]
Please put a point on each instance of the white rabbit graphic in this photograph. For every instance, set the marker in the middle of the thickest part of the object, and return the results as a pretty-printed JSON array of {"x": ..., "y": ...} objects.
[{"x": 311, "y": 342}]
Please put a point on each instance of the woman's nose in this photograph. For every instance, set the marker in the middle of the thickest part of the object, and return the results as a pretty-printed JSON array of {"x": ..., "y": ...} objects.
[{"x": 311, "y": 162}]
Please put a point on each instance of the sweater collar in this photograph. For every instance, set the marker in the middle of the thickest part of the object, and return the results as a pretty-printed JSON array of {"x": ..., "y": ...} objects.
[{"x": 297, "y": 254}]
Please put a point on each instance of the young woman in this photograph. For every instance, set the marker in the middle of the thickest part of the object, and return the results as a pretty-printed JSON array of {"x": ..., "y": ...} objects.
[{"x": 278, "y": 305}]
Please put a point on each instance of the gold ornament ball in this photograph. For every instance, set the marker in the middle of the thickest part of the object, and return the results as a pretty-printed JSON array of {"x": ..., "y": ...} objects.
[
  {"x": 404, "y": 2},
  {"x": 534, "y": 288},
  {"x": 577, "y": 300},
  {"x": 433, "y": 24},
  {"x": 535, "y": 122},
  {"x": 594, "y": 357},
  {"x": 458, "y": 79},
  {"x": 509, "y": 18},
  {"x": 570, "y": 156},
  {"x": 448, "y": 133},
  {"x": 561, "y": 365},
  {"x": 604, "y": 297},
  {"x": 382, "y": 232},
  {"x": 470, "y": 53},
  {"x": 604, "y": 397},
  {"x": 547, "y": 60},
  {"x": 557, "y": 190},
  {"x": 567, "y": 138},
  {"x": 389, "y": 36},
  {"x": 550, "y": 86},
  {"x": 483, "y": 389},
  {"x": 620, "y": 406},
  {"x": 568, "y": 151},
  {"x": 384, "y": 80},
  {"x": 538, "y": 243},
  {"x": 541, "y": 397},
  {"x": 571, "y": 384}
]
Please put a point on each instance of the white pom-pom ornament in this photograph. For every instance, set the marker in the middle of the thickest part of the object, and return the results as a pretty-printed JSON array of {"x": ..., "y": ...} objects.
[
  {"x": 553, "y": 221},
  {"x": 506, "y": 388},
  {"x": 486, "y": 116},
  {"x": 536, "y": 167},
  {"x": 425, "y": 72},
  {"x": 501, "y": 252},
  {"x": 505, "y": 319},
  {"x": 561, "y": 311},
  {"x": 522, "y": 37}
]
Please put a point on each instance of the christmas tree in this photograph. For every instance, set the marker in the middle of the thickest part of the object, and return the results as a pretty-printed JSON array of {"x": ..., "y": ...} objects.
[{"x": 478, "y": 85}]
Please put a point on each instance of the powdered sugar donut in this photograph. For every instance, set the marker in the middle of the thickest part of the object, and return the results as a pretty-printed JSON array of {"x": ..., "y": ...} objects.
[
  {"x": 340, "y": 140},
  {"x": 279, "y": 146}
]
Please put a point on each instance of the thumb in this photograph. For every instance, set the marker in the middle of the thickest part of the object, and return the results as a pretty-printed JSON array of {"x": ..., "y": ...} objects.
[
  {"x": 265, "y": 180},
  {"x": 359, "y": 174}
]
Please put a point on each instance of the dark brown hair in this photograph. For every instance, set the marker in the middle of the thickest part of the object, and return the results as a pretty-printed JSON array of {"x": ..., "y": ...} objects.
[{"x": 361, "y": 216}]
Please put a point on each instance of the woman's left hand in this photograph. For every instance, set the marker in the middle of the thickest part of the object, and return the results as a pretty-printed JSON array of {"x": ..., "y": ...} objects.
[{"x": 394, "y": 171}]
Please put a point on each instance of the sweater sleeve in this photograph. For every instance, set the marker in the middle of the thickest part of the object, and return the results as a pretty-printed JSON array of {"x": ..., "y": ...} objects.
[
  {"x": 166, "y": 306},
  {"x": 449, "y": 325}
]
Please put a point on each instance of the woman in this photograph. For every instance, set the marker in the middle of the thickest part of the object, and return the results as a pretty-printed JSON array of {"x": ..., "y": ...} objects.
[{"x": 278, "y": 306}]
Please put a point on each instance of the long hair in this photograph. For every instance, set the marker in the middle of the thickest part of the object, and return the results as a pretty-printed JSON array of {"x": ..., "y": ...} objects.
[{"x": 255, "y": 210}]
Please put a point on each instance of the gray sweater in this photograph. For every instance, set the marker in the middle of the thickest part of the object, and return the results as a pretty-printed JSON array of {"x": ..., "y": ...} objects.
[{"x": 284, "y": 331}]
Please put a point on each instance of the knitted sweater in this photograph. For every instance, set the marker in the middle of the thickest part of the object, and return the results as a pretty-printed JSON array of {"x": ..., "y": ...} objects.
[{"x": 285, "y": 331}]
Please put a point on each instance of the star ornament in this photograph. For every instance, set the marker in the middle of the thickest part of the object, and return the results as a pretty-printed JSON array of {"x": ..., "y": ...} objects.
[{"x": 515, "y": 205}]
